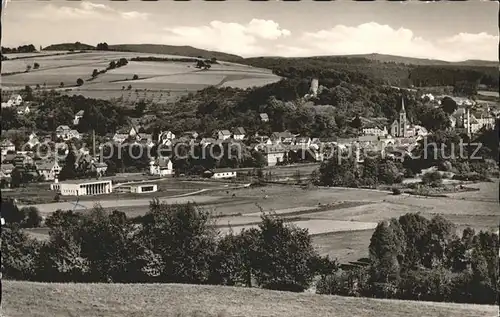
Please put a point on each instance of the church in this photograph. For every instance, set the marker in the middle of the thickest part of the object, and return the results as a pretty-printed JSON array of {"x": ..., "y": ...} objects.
[{"x": 401, "y": 128}]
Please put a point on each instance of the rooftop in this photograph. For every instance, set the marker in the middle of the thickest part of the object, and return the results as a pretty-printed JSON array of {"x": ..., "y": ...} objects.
[{"x": 86, "y": 181}]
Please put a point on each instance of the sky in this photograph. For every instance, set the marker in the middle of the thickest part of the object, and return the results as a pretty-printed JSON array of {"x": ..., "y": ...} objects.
[{"x": 451, "y": 31}]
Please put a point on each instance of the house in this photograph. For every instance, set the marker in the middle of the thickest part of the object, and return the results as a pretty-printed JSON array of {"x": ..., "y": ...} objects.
[
  {"x": 303, "y": 141},
  {"x": 207, "y": 141},
  {"x": 264, "y": 117},
  {"x": 274, "y": 154},
  {"x": 78, "y": 116},
  {"x": 63, "y": 132},
  {"x": 6, "y": 170},
  {"x": 145, "y": 139},
  {"x": 166, "y": 137},
  {"x": 373, "y": 129},
  {"x": 7, "y": 146},
  {"x": 120, "y": 137},
  {"x": 99, "y": 167},
  {"x": 239, "y": 133},
  {"x": 190, "y": 134},
  {"x": 162, "y": 166},
  {"x": 223, "y": 134},
  {"x": 464, "y": 119},
  {"x": 282, "y": 137},
  {"x": 49, "y": 170},
  {"x": 220, "y": 174},
  {"x": 8, "y": 158},
  {"x": 21, "y": 161},
  {"x": 16, "y": 100},
  {"x": 23, "y": 109}
]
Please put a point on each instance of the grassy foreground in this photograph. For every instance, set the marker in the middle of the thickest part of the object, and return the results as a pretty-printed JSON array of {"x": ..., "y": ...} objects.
[{"x": 28, "y": 299}]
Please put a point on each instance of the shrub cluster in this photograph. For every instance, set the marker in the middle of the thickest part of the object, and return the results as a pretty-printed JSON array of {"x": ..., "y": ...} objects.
[
  {"x": 414, "y": 258},
  {"x": 170, "y": 244}
]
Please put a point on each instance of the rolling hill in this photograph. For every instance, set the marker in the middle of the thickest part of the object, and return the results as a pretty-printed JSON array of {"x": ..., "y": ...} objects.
[
  {"x": 419, "y": 61},
  {"x": 175, "y": 50},
  {"x": 28, "y": 299}
]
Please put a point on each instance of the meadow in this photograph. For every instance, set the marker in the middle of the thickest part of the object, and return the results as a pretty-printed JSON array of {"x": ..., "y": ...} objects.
[
  {"x": 158, "y": 77},
  {"x": 28, "y": 299},
  {"x": 340, "y": 220}
]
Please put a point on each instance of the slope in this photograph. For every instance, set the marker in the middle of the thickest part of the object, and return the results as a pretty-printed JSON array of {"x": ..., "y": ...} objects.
[
  {"x": 175, "y": 50},
  {"x": 28, "y": 299}
]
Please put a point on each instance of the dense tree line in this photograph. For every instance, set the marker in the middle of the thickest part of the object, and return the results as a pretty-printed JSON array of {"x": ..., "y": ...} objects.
[
  {"x": 170, "y": 244},
  {"x": 390, "y": 73},
  {"x": 411, "y": 257},
  {"x": 30, "y": 48},
  {"x": 342, "y": 170},
  {"x": 458, "y": 76},
  {"x": 414, "y": 258}
]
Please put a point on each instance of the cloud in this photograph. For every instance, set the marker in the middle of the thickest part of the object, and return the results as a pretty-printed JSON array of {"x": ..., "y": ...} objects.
[
  {"x": 85, "y": 11},
  {"x": 230, "y": 37},
  {"x": 377, "y": 38}
]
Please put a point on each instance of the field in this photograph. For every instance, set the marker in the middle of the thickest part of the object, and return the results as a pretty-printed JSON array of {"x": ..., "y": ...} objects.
[
  {"x": 341, "y": 220},
  {"x": 29, "y": 299},
  {"x": 158, "y": 77}
]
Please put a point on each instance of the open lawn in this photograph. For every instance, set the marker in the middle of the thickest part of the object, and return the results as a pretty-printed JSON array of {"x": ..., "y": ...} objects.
[{"x": 27, "y": 299}]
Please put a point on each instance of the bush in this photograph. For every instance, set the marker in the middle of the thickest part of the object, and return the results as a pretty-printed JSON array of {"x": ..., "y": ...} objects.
[
  {"x": 135, "y": 77},
  {"x": 19, "y": 254},
  {"x": 396, "y": 191},
  {"x": 344, "y": 283},
  {"x": 79, "y": 81},
  {"x": 433, "y": 179},
  {"x": 33, "y": 218}
]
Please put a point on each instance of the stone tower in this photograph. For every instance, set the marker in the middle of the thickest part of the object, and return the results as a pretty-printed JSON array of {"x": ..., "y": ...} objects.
[{"x": 402, "y": 119}]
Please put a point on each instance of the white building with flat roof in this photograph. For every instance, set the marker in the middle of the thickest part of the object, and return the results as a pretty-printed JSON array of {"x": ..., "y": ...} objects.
[
  {"x": 81, "y": 187},
  {"x": 137, "y": 188}
]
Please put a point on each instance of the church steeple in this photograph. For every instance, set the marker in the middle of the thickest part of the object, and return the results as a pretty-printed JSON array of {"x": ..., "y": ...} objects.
[
  {"x": 402, "y": 119},
  {"x": 402, "y": 105}
]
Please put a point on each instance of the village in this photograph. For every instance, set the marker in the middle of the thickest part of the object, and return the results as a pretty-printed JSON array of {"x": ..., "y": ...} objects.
[{"x": 376, "y": 135}]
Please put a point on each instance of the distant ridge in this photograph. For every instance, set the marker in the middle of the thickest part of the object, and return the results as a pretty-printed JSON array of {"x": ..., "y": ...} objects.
[
  {"x": 386, "y": 58},
  {"x": 175, "y": 50},
  {"x": 195, "y": 52}
]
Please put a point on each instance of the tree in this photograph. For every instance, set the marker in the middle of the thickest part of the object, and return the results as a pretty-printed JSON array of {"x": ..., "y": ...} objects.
[
  {"x": 433, "y": 119},
  {"x": 16, "y": 178},
  {"x": 284, "y": 256},
  {"x": 448, "y": 105},
  {"x": 433, "y": 179},
  {"x": 356, "y": 123},
  {"x": 135, "y": 77},
  {"x": 79, "y": 81},
  {"x": 61, "y": 84},
  {"x": 95, "y": 72},
  {"x": 129, "y": 87},
  {"x": 28, "y": 68},
  {"x": 28, "y": 93},
  {"x": 140, "y": 107},
  {"x": 19, "y": 254},
  {"x": 185, "y": 239},
  {"x": 33, "y": 218},
  {"x": 102, "y": 46},
  {"x": 36, "y": 66},
  {"x": 112, "y": 65},
  {"x": 68, "y": 171}
]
